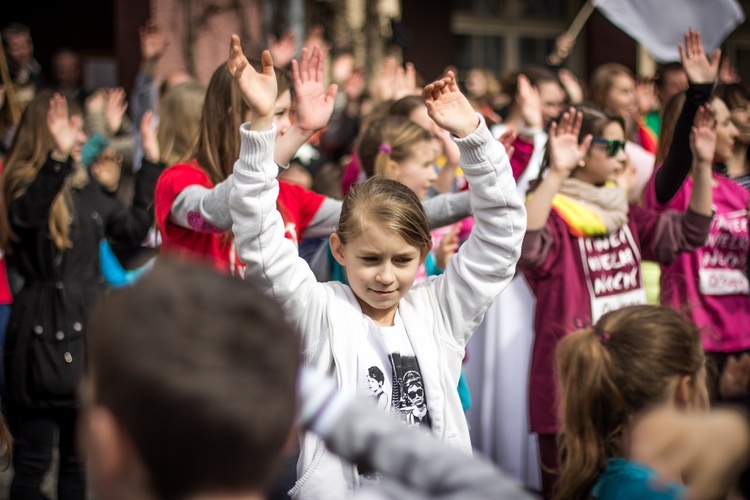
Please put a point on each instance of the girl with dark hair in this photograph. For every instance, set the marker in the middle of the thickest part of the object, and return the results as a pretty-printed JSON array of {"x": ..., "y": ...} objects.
[{"x": 585, "y": 239}]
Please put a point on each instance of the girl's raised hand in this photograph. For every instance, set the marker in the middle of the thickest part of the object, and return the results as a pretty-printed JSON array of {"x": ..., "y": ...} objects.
[
  {"x": 571, "y": 85},
  {"x": 447, "y": 247},
  {"x": 449, "y": 108},
  {"x": 314, "y": 104},
  {"x": 703, "y": 136},
  {"x": 565, "y": 152},
  {"x": 258, "y": 90},
  {"x": 115, "y": 109},
  {"x": 694, "y": 60},
  {"x": 63, "y": 128},
  {"x": 507, "y": 139},
  {"x": 149, "y": 141},
  {"x": 529, "y": 103}
]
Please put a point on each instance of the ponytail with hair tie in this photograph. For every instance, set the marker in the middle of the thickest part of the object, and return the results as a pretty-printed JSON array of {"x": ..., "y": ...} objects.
[{"x": 385, "y": 148}]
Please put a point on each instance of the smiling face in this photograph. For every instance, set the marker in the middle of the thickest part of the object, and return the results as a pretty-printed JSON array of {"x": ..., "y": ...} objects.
[
  {"x": 726, "y": 131},
  {"x": 381, "y": 267},
  {"x": 417, "y": 171},
  {"x": 599, "y": 167}
]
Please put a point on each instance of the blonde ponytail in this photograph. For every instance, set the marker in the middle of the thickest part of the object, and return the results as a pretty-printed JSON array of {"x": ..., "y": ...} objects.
[{"x": 387, "y": 141}]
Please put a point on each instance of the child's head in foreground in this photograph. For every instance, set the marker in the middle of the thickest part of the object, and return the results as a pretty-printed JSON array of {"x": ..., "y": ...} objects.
[
  {"x": 632, "y": 360},
  {"x": 191, "y": 387}
]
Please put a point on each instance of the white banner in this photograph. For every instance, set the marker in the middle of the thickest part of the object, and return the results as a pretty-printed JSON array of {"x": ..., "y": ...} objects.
[{"x": 659, "y": 25}]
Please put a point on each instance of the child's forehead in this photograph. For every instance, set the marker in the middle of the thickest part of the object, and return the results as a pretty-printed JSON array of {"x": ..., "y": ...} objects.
[{"x": 377, "y": 235}]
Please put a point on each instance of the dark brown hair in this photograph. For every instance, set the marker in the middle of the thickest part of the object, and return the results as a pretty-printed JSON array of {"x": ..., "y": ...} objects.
[
  {"x": 199, "y": 369},
  {"x": 610, "y": 373}
]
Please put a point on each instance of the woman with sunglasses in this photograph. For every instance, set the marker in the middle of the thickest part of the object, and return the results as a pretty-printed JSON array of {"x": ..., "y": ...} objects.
[
  {"x": 710, "y": 285},
  {"x": 584, "y": 245}
]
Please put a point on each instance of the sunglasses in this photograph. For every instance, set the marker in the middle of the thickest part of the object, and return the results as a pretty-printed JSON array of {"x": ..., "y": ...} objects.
[{"x": 613, "y": 146}]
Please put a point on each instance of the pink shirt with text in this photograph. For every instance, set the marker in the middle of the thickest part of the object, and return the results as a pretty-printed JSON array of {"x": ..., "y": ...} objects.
[{"x": 711, "y": 284}]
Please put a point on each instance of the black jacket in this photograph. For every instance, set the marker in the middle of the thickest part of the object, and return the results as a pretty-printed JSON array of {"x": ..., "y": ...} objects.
[{"x": 45, "y": 346}]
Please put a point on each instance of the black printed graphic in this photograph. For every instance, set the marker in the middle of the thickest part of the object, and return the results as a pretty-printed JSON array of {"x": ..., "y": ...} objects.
[
  {"x": 375, "y": 381},
  {"x": 408, "y": 398}
]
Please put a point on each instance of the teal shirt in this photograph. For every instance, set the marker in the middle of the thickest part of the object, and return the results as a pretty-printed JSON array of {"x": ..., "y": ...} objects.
[{"x": 624, "y": 480}]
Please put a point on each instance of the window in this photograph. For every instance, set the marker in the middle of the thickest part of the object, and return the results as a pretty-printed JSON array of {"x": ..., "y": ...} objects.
[{"x": 504, "y": 34}]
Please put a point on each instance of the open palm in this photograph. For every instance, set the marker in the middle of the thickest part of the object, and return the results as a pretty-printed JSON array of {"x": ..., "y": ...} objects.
[
  {"x": 314, "y": 103},
  {"x": 695, "y": 61},
  {"x": 564, "y": 150},
  {"x": 703, "y": 135},
  {"x": 258, "y": 89},
  {"x": 63, "y": 128},
  {"x": 448, "y": 107}
]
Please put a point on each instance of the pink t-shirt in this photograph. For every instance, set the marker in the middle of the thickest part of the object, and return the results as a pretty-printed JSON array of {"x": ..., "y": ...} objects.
[{"x": 710, "y": 285}]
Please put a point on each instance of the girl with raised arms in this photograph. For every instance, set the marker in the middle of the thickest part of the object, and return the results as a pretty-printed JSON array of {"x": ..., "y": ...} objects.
[{"x": 415, "y": 335}]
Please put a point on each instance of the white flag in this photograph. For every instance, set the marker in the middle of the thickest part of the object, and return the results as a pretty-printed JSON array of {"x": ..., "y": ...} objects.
[{"x": 659, "y": 25}]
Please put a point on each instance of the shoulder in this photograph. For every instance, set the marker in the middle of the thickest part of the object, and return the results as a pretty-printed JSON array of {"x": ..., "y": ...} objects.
[{"x": 181, "y": 175}]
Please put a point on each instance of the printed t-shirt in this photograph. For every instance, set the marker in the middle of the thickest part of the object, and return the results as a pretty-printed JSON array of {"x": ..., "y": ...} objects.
[
  {"x": 388, "y": 372},
  {"x": 710, "y": 285}
]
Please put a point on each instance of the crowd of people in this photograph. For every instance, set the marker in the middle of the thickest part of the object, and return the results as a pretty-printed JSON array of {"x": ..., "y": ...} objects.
[{"x": 265, "y": 287}]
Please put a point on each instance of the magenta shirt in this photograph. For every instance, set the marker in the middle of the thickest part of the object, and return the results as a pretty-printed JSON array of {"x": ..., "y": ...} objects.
[
  {"x": 577, "y": 280},
  {"x": 711, "y": 284}
]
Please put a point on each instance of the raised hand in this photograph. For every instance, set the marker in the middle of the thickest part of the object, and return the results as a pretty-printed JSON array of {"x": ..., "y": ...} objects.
[
  {"x": 63, "y": 128},
  {"x": 449, "y": 108},
  {"x": 571, "y": 85},
  {"x": 694, "y": 60},
  {"x": 564, "y": 150},
  {"x": 258, "y": 90},
  {"x": 153, "y": 42},
  {"x": 507, "y": 139},
  {"x": 727, "y": 72},
  {"x": 645, "y": 91},
  {"x": 314, "y": 103},
  {"x": 115, "y": 109},
  {"x": 149, "y": 141},
  {"x": 96, "y": 102},
  {"x": 703, "y": 136},
  {"x": 529, "y": 103},
  {"x": 283, "y": 49},
  {"x": 405, "y": 82},
  {"x": 447, "y": 247}
]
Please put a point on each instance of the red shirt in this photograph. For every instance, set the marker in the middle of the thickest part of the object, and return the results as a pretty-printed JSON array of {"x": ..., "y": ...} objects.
[{"x": 297, "y": 206}]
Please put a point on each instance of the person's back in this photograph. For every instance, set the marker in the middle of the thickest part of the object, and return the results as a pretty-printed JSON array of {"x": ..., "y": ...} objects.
[{"x": 191, "y": 387}]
